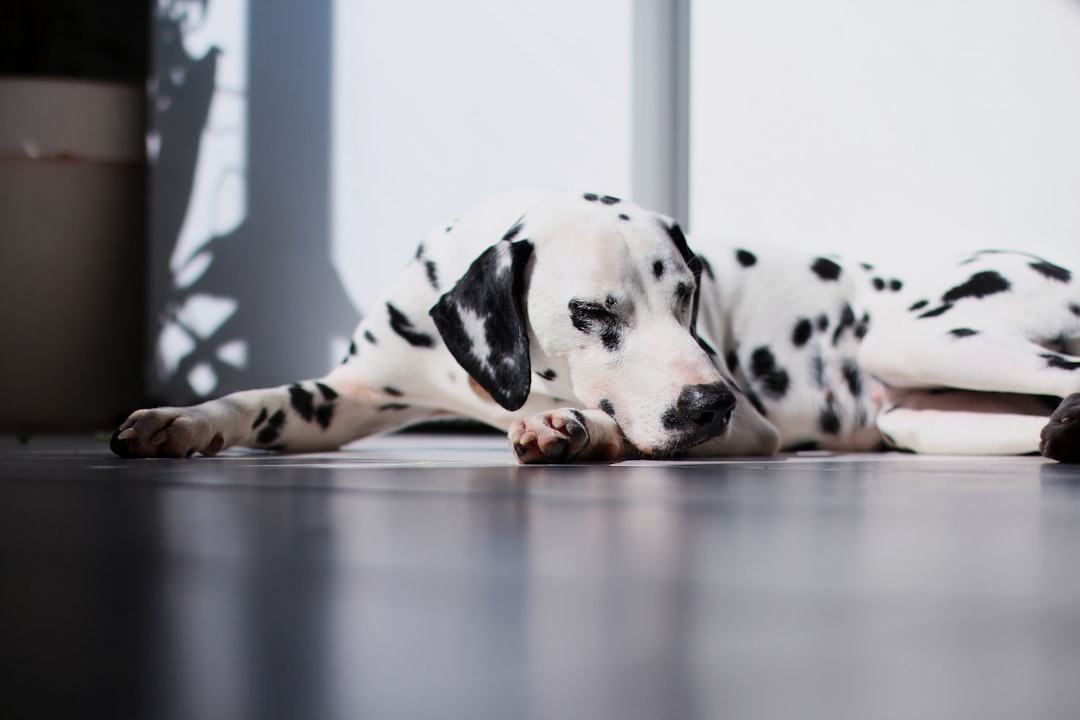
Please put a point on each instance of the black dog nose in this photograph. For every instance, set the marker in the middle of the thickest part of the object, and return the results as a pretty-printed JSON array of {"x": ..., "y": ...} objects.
[{"x": 704, "y": 410}]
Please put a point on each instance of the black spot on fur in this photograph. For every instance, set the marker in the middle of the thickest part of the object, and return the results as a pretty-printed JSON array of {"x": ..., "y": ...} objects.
[
  {"x": 302, "y": 401},
  {"x": 393, "y": 391},
  {"x": 624, "y": 216},
  {"x": 852, "y": 376},
  {"x": 595, "y": 319},
  {"x": 774, "y": 379},
  {"x": 896, "y": 285},
  {"x": 1059, "y": 344},
  {"x": 393, "y": 406},
  {"x": 817, "y": 370},
  {"x": 866, "y": 266},
  {"x": 1054, "y": 272},
  {"x": 607, "y": 407},
  {"x": 272, "y": 430},
  {"x": 432, "y": 273},
  {"x": 548, "y": 374},
  {"x": 263, "y": 414},
  {"x": 679, "y": 240},
  {"x": 611, "y": 337},
  {"x": 802, "y": 333},
  {"x": 823, "y": 322},
  {"x": 579, "y": 416},
  {"x": 324, "y": 414},
  {"x": 847, "y": 319},
  {"x": 963, "y": 332},
  {"x": 658, "y": 269},
  {"x": 513, "y": 232},
  {"x": 404, "y": 327},
  {"x": 980, "y": 285},
  {"x": 862, "y": 327},
  {"x": 420, "y": 251},
  {"x": 879, "y": 284},
  {"x": 826, "y": 269},
  {"x": 1059, "y": 362},
  {"x": 941, "y": 310},
  {"x": 591, "y": 197},
  {"x": 829, "y": 420},
  {"x": 328, "y": 392},
  {"x": 370, "y": 337},
  {"x": 1075, "y": 309},
  {"x": 731, "y": 358},
  {"x": 918, "y": 305},
  {"x": 745, "y": 257},
  {"x": 609, "y": 200}
]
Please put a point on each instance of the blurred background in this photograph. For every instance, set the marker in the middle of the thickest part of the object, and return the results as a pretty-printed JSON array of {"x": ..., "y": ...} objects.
[{"x": 202, "y": 195}]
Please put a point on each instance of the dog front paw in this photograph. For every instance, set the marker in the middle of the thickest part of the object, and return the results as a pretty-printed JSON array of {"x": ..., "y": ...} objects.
[
  {"x": 555, "y": 436},
  {"x": 568, "y": 435},
  {"x": 166, "y": 432},
  {"x": 1060, "y": 439}
]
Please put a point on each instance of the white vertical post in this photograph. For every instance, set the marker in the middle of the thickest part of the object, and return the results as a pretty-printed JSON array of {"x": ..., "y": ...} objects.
[{"x": 661, "y": 106}]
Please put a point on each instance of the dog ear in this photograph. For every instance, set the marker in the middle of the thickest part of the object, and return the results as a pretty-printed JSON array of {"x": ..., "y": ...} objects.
[{"x": 482, "y": 322}]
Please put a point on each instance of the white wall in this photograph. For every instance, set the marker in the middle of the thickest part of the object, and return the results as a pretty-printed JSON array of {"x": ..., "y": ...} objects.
[
  {"x": 438, "y": 104},
  {"x": 882, "y": 129}
]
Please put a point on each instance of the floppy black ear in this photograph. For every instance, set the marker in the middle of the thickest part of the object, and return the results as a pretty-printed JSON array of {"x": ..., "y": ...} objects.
[
  {"x": 693, "y": 262},
  {"x": 482, "y": 322}
]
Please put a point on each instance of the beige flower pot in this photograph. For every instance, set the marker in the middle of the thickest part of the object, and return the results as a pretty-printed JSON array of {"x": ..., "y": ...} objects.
[{"x": 72, "y": 249}]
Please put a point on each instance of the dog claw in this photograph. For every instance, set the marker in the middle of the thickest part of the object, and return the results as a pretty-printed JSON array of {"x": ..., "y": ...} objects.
[{"x": 118, "y": 443}]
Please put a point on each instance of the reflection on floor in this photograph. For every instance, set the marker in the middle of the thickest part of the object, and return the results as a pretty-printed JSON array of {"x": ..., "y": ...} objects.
[{"x": 428, "y": 576}]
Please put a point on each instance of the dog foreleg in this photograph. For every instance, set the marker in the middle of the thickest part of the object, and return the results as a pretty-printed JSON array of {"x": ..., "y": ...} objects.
[{"x": 302, "y": 417}]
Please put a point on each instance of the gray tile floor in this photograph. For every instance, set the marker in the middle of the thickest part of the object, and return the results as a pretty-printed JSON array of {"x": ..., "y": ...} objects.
[{"x": 427, "y": 576}]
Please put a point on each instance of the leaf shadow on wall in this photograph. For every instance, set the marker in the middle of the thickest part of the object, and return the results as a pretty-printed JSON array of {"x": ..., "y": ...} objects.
[{"x": 259, "y": 303}]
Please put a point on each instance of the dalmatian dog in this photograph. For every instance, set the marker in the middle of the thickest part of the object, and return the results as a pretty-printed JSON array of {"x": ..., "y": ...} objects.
[{"x": 587, "y": 328}]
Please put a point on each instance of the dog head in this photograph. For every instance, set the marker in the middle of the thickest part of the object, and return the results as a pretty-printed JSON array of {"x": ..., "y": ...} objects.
[{"x": 607, "y": 292}]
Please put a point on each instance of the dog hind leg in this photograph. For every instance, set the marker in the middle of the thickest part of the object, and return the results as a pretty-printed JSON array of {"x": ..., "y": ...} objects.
[
  {"x": 964, "y": 423},
  {"x": 985, "y": 360},
  {"x": 1060, "y": 439}
]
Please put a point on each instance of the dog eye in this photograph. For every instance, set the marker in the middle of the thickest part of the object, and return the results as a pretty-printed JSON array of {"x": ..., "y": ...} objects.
[
  {"x": 590, "y": 310},
  {"x": 684, "y": 293}
]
